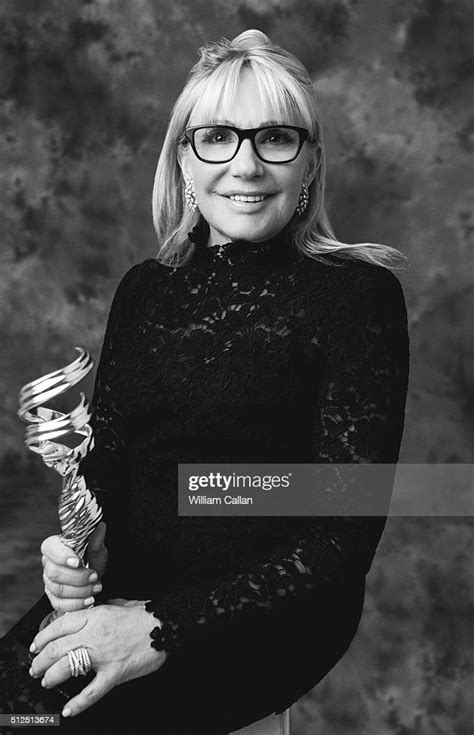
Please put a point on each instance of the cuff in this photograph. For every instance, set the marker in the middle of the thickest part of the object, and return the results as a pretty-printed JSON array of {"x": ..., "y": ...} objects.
[{"x": 163, "y": 636}]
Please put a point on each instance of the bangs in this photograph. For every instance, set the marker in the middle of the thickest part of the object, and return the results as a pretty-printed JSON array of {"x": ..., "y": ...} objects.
[{"x": 281, "y": 96}]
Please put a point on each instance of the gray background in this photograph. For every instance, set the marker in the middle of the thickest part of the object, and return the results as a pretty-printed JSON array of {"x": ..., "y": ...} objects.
[{"x": 85, "y": 92}]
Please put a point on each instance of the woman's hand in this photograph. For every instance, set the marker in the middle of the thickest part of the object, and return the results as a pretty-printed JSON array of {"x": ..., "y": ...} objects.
[
  {"x": 118, "y": 640},
  {"x": 68, "y": 587}
]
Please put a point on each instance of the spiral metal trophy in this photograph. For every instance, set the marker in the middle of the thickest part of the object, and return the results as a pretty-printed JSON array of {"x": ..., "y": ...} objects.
[{"x": 79, "y": 511}]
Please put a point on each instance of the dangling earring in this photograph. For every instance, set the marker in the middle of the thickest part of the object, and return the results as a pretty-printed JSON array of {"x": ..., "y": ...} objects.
[
  {"x": 303, "y": 200},
  {"x": 190, "y": 195}
]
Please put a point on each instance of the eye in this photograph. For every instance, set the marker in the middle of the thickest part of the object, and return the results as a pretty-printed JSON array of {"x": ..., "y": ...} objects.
[
  {"x": 215, "y": 135},
  {"x": 277, "y": 137}
]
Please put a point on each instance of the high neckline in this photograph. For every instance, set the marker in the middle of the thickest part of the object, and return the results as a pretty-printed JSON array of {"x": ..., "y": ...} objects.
[{"x": 278, "y": 247}]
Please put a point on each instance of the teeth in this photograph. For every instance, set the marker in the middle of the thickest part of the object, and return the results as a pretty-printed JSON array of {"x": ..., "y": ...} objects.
[{"x": 241, "y": 198}]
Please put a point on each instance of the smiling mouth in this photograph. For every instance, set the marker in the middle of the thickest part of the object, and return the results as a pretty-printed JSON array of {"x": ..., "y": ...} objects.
[{"x": 247, "y": 198}]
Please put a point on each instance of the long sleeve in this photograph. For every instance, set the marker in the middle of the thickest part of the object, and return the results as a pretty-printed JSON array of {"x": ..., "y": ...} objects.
[
  {"x": 358, "y": 417},
  {"x": 104, "y": 467}
]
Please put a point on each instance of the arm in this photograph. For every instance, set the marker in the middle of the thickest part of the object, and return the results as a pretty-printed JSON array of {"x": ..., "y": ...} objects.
[
  {"x": 104, "y": 467},
  {"x": 359, "y": 417}
]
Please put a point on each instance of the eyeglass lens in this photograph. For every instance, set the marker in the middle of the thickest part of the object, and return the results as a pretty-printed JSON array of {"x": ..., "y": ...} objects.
[{"x": 278, "y": 144}]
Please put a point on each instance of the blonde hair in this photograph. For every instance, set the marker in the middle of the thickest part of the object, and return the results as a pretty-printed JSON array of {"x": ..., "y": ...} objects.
[{"x": 284, "y": 82}]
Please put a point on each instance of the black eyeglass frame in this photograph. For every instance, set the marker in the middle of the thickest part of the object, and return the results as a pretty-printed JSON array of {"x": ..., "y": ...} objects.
[{"x": 243, "y": 134}]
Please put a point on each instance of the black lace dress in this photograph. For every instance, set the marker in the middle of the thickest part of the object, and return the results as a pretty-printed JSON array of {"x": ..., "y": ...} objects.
[{"x": 249, "y": 353}]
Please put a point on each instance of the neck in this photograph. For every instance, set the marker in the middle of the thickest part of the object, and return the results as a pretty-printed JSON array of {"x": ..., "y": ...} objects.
[
  {"x": 202, "y": 236},
  {"x": 277, "y": 251}
]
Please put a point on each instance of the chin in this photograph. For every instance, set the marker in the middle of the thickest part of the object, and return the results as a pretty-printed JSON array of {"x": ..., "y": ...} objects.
[{"x": 250, "y": 232}]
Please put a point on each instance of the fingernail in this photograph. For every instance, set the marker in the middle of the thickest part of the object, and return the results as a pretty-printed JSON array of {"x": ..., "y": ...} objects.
[
  {"x": 89, "y": 601},
  {"x": 97, "y": 588},
  {"x": 72, "y": 563},
  {"x": 33, "y": 648},
  {"x": 31, "y": 673},
  {"x": 66, "y": 712},
  {"x": 43, "y": 684},
  {"x": 93, "y": 577}
]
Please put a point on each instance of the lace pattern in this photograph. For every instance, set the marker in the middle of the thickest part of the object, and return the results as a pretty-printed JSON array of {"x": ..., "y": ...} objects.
[{"x": 249, "y": 353}]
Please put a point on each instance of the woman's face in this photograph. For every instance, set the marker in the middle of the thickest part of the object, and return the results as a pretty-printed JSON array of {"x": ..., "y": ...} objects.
[{"x": 246, "y": 174}]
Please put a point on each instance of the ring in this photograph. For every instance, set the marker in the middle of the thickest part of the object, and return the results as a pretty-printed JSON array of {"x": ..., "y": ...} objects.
[{"x": 79, "y": 661}]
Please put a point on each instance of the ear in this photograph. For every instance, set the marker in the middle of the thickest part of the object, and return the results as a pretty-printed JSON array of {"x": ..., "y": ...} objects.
[
  {"x": 313, "y": 164},
  {"x": 183, "y": 162}
]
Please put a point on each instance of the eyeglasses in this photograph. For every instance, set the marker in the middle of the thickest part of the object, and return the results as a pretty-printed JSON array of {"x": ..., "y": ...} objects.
[{"x": 221, "y": 143}]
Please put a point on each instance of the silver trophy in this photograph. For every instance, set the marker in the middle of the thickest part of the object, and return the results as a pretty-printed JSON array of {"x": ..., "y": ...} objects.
[{"x": 79, "y": 511}]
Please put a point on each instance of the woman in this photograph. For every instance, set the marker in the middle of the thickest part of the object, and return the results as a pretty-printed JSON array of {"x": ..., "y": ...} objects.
[{"x": 254, "y": 336}]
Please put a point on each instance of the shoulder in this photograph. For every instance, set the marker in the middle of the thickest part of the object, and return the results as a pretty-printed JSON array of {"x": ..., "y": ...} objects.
[
  {"x": 365, "y": 279},
  {"x": 146, "y": 270},
  {"x": 142, "y": 275},
  {"x": 351, "y": 280},
  {"x": 375, "y": 299},
  {"x": 359, "y": 274},
  {"x": 375, "y": 293},
  {"x": 354, "y": 297}
]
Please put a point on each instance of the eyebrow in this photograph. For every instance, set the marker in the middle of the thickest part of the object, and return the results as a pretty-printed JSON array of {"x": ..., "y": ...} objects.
[{"x": 225, "y": 121}]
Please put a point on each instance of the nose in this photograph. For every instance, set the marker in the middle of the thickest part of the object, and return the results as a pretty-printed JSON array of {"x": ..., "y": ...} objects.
[{"x": 246, "y": 163}]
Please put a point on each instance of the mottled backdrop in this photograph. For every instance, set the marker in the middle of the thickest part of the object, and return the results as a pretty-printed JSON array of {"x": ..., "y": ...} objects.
[{"x": 85, "y": 92}]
